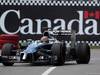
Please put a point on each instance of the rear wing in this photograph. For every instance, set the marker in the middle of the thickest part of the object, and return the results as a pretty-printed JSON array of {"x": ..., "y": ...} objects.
[
  {"x": 72, "y": 33},
  {"x": 61, "y": 32}
]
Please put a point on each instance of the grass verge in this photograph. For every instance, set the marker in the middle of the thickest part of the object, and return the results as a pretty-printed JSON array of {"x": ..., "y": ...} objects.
[{"x": 95, "y": 47}]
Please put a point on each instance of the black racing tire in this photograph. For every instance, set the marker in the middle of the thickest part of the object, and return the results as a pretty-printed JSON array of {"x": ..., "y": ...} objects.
[
  {"x": 7, "y": 49},
  {"x": 58, "y": 50},
  {"x": 82, "y": 53},
  {"x": 9, "y": 37},
  {"x": 8, "y": 64},
  {"x": 16, "y": 46}
]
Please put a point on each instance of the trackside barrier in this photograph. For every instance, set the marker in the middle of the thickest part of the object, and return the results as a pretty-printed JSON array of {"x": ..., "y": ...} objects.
[{"x": 27, "y": 19}]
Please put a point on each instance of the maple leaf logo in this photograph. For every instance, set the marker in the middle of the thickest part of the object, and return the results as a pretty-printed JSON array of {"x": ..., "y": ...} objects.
[{"x": 91, "y": 14}]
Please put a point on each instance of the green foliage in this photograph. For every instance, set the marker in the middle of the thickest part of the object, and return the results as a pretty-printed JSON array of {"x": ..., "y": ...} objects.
[{"x": 95, "y": 47}]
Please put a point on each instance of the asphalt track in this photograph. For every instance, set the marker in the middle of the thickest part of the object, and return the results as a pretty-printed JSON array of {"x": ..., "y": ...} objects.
[{"x": 70, "y": 68}]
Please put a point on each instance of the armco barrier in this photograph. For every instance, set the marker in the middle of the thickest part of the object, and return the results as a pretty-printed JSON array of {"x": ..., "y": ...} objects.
[{"x": 27, "y": 18}]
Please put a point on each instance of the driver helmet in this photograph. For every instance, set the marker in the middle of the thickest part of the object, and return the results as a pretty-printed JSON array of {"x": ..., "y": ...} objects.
[
  {"x": 46, "y": 33},
  {"x": 45, "y": 39}
]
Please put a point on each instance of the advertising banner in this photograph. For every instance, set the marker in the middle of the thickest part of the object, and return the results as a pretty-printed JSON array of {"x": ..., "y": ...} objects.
[{"x": 28, "y": 19}]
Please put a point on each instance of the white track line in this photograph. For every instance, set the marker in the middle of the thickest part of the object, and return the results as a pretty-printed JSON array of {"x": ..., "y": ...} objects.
[{"x": 48, "y": 71}]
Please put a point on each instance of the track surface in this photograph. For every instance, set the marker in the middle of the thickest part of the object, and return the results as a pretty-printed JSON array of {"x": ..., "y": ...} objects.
[{"x": 70, "y": 68}]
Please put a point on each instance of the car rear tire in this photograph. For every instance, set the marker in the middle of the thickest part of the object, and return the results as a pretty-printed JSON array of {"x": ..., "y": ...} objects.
[
  {"x": 8, "y": 64},
  {"x": 59, "y": 52},
  {"x": 16, "y": 46},
  {"x": 7, "y": 49},
  {"x": 82, "y": 53}
]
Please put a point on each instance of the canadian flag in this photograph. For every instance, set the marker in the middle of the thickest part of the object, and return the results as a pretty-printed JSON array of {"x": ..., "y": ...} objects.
[{"x": 88, "y": 14}]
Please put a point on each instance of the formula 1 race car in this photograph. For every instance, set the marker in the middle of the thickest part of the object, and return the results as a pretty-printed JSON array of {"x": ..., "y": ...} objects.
[{"x": 49, "y": 51}]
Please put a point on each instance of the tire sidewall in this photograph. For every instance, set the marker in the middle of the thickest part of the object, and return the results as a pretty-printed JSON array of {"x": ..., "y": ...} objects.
[
  {"x": 7, "y": 49},
  {"x": 82, "y": 53},
  {"x": 58, "y": 50}
]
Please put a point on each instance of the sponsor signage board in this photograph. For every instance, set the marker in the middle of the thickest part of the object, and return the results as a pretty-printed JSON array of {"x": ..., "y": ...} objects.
[{"x": 27, "y": 20}]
